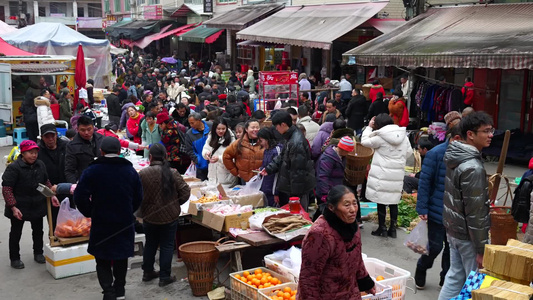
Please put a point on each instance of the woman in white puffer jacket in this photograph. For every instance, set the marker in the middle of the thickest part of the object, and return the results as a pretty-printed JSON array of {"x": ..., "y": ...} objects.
[
  {"x": 44, "y": 112},
  {"x": 219, "y": 139},
  {"x": 385, "y": 179}
]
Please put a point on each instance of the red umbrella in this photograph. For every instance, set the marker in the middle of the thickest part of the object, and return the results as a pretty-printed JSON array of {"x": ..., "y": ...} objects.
[{"x": 80, "y": 77}]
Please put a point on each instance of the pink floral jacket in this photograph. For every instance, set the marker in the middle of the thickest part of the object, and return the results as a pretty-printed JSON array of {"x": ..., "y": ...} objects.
[{"x": 331, "y": 268}]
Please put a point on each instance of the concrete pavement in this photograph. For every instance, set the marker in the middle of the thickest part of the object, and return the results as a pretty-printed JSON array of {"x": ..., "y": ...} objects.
[{"x": 34, "y": 282}]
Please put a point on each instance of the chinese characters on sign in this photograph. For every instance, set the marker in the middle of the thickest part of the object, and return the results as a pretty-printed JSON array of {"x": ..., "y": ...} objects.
[
  {"x": 153, "y": 12},
  {"x": 208, "y": 6}
]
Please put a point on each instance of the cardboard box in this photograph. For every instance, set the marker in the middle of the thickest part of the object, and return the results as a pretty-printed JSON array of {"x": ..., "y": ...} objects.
[
  {"x": 63, "y": 262},
  {"x": 255, "y": 200},
  {"x": 513, "y": 262},
  {"x": 224, "y": 223}
]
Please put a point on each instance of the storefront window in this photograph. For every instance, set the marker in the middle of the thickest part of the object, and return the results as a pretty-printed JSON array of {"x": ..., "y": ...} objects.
[
  {"x": 510, "y": 102},
  {"x": 95, "y": 10},
  {"x": 14, "y": 8},
  {"x": 58, "y": 8},
  {"x": 117, "y": 6}
]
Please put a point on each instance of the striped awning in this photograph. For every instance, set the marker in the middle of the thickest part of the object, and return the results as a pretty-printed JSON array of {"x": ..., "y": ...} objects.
[
  {"x": 497, "y": 36},
  {"x": 39, "y": 68}
]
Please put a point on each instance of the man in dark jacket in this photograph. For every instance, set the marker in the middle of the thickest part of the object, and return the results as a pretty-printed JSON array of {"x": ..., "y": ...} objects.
[
  {"x": 356, "y": 111},
  {"x": 466, "y": 201},
  {"x": 82, "y": 150},
  {"x": 109, "y": 192},
  {"x": 52, "y": 152},
  {"x": 195, "y": 139},
  {"x": 113, "y": 106},
  {"x": 234, "y": 111},
  {"x": 294, "y": 164}
]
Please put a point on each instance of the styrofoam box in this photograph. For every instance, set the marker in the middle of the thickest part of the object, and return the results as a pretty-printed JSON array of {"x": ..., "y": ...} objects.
[
  {"x": 3, "y": 142},
  {"x": 63, "y": 262},
  {"x": 277, "y": 266},
  {"x": 9, "y": 140}
]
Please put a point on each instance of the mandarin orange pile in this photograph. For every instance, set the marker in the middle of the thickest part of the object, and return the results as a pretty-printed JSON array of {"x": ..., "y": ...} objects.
[
  {"x": 285, "y": 294},
  {"x": 258, "y": 279}
]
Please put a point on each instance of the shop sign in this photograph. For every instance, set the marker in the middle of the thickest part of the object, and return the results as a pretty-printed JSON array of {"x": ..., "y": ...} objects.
[
  {"x": 270, "y": 78},
  {"x": 153, "y": 12},
  {"x": 208, "y": 6}
]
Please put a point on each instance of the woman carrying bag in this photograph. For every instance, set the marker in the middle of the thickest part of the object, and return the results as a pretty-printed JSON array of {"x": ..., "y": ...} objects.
[{"x": 218, "y": 140}]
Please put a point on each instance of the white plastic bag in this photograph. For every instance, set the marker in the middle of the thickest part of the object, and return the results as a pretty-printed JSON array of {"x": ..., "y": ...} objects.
[
  {"x": 417, "y": 240},
  {"x": 257, "y": 219},
  {"x": 191, "y": 171},
  {"x": 252, "y": 186},
  {"x": 70, "y": 222}
]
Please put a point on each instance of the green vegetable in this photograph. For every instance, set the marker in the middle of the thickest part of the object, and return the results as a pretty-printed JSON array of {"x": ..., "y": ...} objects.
[
  {"x": 266, "y": 209},
  {"x": 406, "y": 213}
]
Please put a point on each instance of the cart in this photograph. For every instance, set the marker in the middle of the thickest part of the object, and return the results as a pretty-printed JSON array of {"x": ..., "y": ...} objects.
[{"x": 277, "y": 85}]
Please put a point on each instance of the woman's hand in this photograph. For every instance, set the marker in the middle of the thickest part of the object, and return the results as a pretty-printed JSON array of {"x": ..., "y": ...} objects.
[
  {"x": 276, "y": 199},
  {"x": 54, "y": 188},
  {"x": 55, "y": 201},
  {"x": 213, "y": 159},
  {"x": 371, "y": 291},
  {"x": 16, "y": 213}
]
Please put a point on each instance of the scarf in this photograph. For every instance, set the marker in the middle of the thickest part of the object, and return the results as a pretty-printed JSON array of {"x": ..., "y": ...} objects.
[{"x": 346, "y": 231}]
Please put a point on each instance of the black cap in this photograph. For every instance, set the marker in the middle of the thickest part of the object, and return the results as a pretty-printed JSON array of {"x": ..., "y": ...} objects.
[
  {"x": 110, "y": 145},
  {"x": 48, "y": 128}
]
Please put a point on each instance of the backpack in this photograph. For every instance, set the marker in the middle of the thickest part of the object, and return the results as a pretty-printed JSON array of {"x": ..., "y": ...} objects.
[{"x": 522, "y": 200}]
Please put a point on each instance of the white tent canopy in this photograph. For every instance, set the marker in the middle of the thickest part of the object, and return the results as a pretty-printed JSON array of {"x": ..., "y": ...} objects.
[
  {"x": 58, "y": 39},
  {"x": 5, "y": 28}
]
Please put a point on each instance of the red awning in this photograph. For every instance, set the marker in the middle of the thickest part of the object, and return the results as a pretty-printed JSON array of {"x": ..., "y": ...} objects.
[
  {"x": 177, "y": 31},
  {"x": 8, "y": 50},
  {"x": 147, "y": 40},
  {"x": 212, "y": 38}
]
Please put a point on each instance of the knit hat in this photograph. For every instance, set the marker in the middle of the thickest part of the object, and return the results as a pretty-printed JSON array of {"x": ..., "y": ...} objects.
[
  {"x": 27, "y": 145},
  {"x": 110, "y": 145},
  {"x": 346, "y": 144},
  {"x": 162, "y": 117},
  {"x": 452, "y": 118}
]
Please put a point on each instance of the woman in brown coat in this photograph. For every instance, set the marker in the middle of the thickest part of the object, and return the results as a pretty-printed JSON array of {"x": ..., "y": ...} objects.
[
  {"x": 245, "y": 155},
  {"x": 164, "y": 190}
]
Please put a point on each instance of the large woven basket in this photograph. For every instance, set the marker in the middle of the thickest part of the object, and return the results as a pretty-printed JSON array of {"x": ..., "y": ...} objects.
[
  {"x": 201, "y": 259},
  {"x": 503, "y": 226},
  {"x": 357, "y": 164}
]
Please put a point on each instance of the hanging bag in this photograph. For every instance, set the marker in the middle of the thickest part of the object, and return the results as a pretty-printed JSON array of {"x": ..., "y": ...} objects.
[
  {"x": 252, "y": 186},
  {"x": 191, "y": 171},
  {"x": 417, "y": 240},
  {"x": 70, "y": 222}
]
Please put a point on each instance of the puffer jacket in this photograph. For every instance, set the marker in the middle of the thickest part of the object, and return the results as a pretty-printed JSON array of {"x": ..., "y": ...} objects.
[
  {"x": 217, "y": 172},
  {"x": 311, "y": 128},
  {"x": 194, "y": 144},
  {"x": 323, "y": 133},
  {"x": 329, "y": 171},
  {"x": 242, "y": 163},
  {"x": 374, "y": 90},
  {"x": 294, "y": 164},
  {"x": 528, "y": 238},
  {"x": 466, "y": 200},
  {"x": 356, "y": 112},
  {"x": 431, "y": 185},
  {"x": 155, "y": 208},
  {"x": 391, "y": 149}
]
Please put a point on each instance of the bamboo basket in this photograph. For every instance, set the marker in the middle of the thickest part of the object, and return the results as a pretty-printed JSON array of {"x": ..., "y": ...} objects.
[
  {"x": 201, "y": 259},
  {"x": 503, "y": 226},
  {"x": 357, "y": 164}
]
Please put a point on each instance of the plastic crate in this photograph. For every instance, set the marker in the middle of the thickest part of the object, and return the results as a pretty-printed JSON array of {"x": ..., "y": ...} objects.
[
  {"x": 265, "y": 294},
  {"x": 395, "y": 277},
  {"x": 243, "y": 291},
  {"x": 383, "y": 292},
  {"x": 278, "y": 267}
]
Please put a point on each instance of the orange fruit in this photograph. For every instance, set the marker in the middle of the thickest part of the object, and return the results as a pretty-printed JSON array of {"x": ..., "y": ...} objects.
[
  {"x": 380, "y": 278},
  {"x": 280, "y": 294},
  {"x": 258, "y": 276},
  {"x": 287, "y": 290},
  {"x": 264, "y": 280},
  {"x": 287, "y": 296},
  {"x": 244, "y": 280},
  {"x": 274, "y": 280},
  {"x": 293, "y": 292},
  {"x": 293, "y": 298},
  {"x": 267, "y": 284},
  {"x": 275, "y": 298},
  {"x": 238, "y": 276},
  {"x": 258, "y": 271},
  {"x": 267, "y": 274},
  {"x": 249, "y": 277},
  {"x": 261, "y": 287},
  {"x": 245, "y": 273}
]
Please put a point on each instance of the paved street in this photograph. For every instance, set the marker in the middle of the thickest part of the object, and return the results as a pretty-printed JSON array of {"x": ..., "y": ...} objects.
[{"x": 34, "y": 282}]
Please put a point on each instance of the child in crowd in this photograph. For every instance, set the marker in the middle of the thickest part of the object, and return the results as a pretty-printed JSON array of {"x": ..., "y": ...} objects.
[
  {"x": 273, "y": 148},
  {"x": 239, "y": 131}
]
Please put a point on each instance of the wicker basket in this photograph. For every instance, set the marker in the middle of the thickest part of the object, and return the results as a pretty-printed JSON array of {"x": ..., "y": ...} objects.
[
  {"x": 201, "y": 259},
  {"x": 503, "y": 226},
  {"x": 357, "y": 164}
]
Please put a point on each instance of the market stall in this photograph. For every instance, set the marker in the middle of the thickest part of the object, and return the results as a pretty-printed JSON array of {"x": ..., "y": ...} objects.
[{"x": 275, "y": 87}]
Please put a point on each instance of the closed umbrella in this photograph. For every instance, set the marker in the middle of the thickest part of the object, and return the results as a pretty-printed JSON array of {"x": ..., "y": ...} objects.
[{"x": 80, "y": 77}]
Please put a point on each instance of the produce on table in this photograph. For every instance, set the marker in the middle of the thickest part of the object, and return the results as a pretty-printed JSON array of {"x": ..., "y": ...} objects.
[
  {"x": 266, "y": 209},
  {"x": 258, "y": 279},
  {"x": 283, "y": 294},
  {"x": 380, "y": 278},
  {"x": 417, "y": 248},
  {"x": 205, "y": 199},
  {"x": 229, "y": 209},
  {"x": 70, "y": 228},
  {"x": 279, "y": 225}
]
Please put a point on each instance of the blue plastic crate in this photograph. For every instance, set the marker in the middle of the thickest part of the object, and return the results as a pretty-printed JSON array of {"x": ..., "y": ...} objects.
[{"x": 368, "y": 207}]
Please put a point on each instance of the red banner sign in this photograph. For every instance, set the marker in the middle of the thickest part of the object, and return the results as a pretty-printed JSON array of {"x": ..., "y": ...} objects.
[{"x": 270, "y": 78}]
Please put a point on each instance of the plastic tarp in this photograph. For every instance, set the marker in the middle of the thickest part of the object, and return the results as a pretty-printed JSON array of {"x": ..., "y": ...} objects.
[
  {"x": 9, "y": 50},
  {"x": 58, "y": 39},
  {"x": 5, "y": 28}
]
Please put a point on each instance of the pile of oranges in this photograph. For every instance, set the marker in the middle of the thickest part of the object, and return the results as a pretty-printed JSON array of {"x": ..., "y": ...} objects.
[
  {"x": 258, "y": 279},
  {"x": 285, "y": 294}
]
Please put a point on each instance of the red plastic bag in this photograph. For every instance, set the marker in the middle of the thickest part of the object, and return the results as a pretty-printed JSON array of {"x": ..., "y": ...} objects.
[{"x": 70, "y": 222}]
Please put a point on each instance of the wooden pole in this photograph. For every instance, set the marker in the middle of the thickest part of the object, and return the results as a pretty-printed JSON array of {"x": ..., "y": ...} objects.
[
  {"x": 50, "y": 227},
  {"x": 501, "y": 164}
]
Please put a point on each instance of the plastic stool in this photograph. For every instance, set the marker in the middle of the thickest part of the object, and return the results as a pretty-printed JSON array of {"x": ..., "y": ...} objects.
[{"x": 19, "y": 135}]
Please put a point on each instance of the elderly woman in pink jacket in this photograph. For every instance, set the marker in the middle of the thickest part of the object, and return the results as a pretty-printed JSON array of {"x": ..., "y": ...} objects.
[{"x": 332, "y": 264}]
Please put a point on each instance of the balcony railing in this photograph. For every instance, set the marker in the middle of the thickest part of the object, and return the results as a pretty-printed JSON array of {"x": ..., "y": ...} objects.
[{"x": 63, "y": 20}]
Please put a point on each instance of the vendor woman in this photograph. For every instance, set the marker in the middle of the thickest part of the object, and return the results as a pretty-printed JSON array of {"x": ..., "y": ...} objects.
[
  {"x": 24, "y": 202},
  {"x": 332, "y": 265}
]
